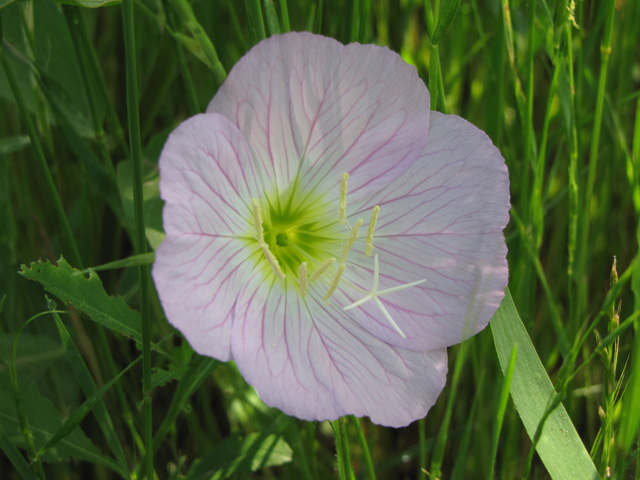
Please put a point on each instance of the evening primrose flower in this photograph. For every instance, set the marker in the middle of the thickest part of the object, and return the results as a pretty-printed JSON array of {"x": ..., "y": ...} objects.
[{"x": 329, "y": 233}]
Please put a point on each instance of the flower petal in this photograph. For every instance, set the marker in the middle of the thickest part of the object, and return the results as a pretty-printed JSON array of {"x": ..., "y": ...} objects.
[
  {"x": 441, "y": 221},
  {"x": 314, "y": 108},
  {"x": 310, "y": 360},
  {"x": 206, "y": 181}
]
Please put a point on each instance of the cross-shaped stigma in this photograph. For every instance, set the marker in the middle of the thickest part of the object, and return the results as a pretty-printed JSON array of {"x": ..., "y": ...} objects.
[{"x": 374, "y": 295}]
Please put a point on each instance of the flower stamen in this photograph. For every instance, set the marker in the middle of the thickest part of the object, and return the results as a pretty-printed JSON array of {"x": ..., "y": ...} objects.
[
  {"x": 257, "y": 226},
  {"x": 343, "y": 199},
  {"x": 257, "y": 220},
  {"x": 273, "y": 261},
  {"x": 372, "y": 225},
  {"x": 374, "y": 295},
  {"x": 322, "y": 268},
  {"x": 335, "y": 281},
  {"x": 352, "y": 239}
]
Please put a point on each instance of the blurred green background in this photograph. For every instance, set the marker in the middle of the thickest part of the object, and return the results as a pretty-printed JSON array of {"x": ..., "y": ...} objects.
[{"x": 556, "y": 85}]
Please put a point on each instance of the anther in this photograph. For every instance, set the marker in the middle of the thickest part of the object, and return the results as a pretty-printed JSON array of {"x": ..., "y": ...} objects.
[
  {"x": 343, "y": 199},
  {"x": 302, "y": 274},
  {"x": 335, "y": 281},
  {"x": 372, "y": 225},
  {"x": 322, "y": 268},
  {"x": 273, "y": 261},
  {"x": 257, "y": 221},
  {"x": 352, "y": 240}
]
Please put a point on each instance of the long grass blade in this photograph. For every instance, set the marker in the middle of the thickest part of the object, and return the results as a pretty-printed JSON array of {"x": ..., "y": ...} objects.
[{"x": 559, "y": 445}]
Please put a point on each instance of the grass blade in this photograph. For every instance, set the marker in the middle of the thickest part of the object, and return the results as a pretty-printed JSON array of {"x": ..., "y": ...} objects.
[
  {"x": 559, "y": 446},
  {"x": 502, "y": 407}
]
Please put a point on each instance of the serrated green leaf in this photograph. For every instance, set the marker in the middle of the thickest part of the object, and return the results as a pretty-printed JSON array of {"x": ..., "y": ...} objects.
[
  {"x": 87, "y": 295},
  {"x": 160, "y": 376},
  {"x": 234, "y": 456},
  {"x": 559, "y": 446}
]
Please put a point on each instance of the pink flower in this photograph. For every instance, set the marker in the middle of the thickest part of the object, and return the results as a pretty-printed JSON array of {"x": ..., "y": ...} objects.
[{"x": 329, "y": 233}]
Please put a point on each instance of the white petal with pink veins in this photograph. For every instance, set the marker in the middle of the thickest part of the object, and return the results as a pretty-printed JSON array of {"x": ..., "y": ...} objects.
[
  {"x": 441, "y": 221},
  {"x": 310, "y": 360},
  {"x": 206, "y": 180},
  {"x": 312, "y": 107}
]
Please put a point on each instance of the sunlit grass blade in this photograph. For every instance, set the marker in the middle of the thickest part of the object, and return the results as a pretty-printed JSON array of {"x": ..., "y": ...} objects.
[{"x": 559, "y": 445}]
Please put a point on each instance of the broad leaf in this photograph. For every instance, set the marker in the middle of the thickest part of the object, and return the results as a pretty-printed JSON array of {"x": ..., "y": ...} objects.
[{"x": 559, "y": 447}]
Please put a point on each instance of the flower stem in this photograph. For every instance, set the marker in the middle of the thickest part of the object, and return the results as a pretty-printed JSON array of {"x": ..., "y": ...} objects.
[
  {"x": 371, "y": 471},
  {"x": 574, "y": 194},
  {"x": 605, "y": 51},
  {"x": 342, "y": 448},
  {"x": 284, "y": 12},
  {"x": 133, "y": 116},
  {"x": 422, "y": 439},
  {"x": 256, "y": 24}
]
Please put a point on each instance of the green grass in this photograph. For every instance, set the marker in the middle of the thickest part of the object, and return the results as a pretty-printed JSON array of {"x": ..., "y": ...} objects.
[{"x": 556, "y": 85}]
